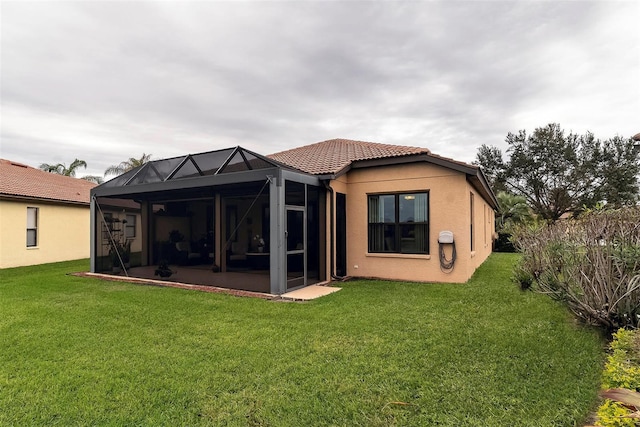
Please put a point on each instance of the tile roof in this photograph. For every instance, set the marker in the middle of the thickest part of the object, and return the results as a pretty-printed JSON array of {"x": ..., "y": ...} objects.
[
  {"x": 332, "y": 156},
  {"x": 25, "y": 181}
]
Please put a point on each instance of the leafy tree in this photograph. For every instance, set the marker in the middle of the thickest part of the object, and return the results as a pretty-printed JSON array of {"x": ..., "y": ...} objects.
[
  {"x": 618, "y": 181},
  {"x": 490, "y": 159},
  {"x": 62, "y": 169},
  {"x": 558, "y": 173},
  {"x": 545, "y": 169},
  {"x": 127, "y": 165}
]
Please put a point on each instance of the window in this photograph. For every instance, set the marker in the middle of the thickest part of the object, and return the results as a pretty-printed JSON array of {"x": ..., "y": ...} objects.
[
  {"x": 473, "y": 243},
  {"x": 399, "y": 223},
  {"x": 32, "y": 227},
  {"x": 130, "y": 227},
  {"x": 484, "y": 212}
]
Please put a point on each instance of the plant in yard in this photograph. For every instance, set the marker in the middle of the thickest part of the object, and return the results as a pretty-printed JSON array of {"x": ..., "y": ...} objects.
[
  {"x": 621, "y": 409},
  {"x": 126, "y": 253},
  {"x": 163, "y": 269},
  {"x": 512, "y": 211},
  {"x": 116, "y": 254},
  {"x": 591, "y": 263},
  {"x": 621, "y": 379}
]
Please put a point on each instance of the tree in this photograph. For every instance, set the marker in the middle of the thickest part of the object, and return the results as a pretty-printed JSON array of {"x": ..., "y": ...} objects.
[
  {"x": 127, "y": 165},
  {"x": 61, "y": 168},
  {"x": 512, "y": 210},
  {"x": 51, "y": 168},
  {"x": 93, "y": 178},
  {"x": 619, "y": 184},
  {"x": 558, "y": 173},
  {"x": 490, "y": 159}
]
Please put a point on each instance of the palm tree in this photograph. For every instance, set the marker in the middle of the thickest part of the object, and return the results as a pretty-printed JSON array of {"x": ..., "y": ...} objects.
[
  {"x": 127, "y": 165},
  {"x": 93, "y": 178},
  {"x": 512, "y": 210},
  {"x": 61, "y": 168},
  {"x": 52, "y": 168}
]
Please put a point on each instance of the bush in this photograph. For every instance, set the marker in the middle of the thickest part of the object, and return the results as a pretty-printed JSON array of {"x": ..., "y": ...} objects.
[
  {"x": 621, "y": 371},
  {"x": 503, "y": 243},
  {"x": 591, "y": 263}
]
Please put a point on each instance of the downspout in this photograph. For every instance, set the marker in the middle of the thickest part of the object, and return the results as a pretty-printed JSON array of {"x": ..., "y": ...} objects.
[{"x": 332, "y": 232}]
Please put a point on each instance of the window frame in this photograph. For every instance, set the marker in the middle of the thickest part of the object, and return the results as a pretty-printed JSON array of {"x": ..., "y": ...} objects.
[
  {"x": 472, "y": 221},
  {"x": 33, "y": 229},
  {"x": 397, "y": 224},
  {"x": 130, "y": 225}
]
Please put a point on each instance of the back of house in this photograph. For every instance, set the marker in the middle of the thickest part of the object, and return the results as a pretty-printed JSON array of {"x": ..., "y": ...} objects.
[
  {"x": 333, "y": 209},
  {"x": 390, "y": 205}
]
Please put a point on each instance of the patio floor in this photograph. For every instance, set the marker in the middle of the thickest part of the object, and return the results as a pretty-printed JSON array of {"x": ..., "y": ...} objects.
[
  {"x": 256, "y": 282},
  {"x": 250, "y": 280}
]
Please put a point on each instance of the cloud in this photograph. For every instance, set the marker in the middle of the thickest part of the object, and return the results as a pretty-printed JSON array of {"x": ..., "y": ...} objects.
[{"x": 105, "y": 81}]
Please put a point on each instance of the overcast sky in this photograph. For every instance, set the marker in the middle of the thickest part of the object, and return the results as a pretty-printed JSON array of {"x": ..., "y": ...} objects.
[{"x": 105, "y": 81}]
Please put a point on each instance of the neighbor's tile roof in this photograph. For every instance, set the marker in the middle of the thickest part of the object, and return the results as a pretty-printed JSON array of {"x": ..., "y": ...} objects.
[
  {"x": 21, "y": 180},
  {"x": 332, "y": 156}
]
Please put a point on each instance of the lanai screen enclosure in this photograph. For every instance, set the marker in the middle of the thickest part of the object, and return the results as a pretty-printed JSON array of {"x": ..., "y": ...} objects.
[{"x": 231, "y": 208}]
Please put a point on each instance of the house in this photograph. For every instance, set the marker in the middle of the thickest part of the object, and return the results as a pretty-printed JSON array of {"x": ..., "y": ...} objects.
[
  {"x": 44, "y": 217},
  {"x": 327, "y": 210}
]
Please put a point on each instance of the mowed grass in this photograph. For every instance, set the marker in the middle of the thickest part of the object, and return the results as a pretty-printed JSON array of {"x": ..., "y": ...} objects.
[{"x": 79, "y": 351}]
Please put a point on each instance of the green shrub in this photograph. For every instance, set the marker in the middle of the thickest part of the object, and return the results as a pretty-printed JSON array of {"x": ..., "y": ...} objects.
[
  {"x": 503, "y": 243},
  {"x": 623, "y": 364},
  {"x": 522, "y": 277},
  {"x": 610, "y": 414},
  {"x": 622, "y": 370}
]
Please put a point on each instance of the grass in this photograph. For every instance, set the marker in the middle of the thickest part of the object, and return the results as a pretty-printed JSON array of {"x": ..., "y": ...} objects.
[{"x": 79, "y": 351}]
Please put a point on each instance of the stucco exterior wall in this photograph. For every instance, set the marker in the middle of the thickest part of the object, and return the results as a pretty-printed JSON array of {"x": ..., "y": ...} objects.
[
  {"x": 449, "y": 209},
  {"x": 63, "y": 233}
]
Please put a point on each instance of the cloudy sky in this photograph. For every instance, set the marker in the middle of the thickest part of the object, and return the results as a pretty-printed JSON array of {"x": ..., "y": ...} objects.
[{"x": 104, "y": 81}]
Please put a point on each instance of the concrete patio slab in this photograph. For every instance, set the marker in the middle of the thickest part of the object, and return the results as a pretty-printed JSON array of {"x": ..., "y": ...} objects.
[
  {"x": 247, "y": 284},
  {"x": 310, "y": 292}
]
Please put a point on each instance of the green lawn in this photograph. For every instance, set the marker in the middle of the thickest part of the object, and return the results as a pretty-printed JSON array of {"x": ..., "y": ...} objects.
[{"x": 79, "y": 351}]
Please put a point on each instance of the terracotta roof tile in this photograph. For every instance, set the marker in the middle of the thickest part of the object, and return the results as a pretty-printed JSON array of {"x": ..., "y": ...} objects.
[
  {"x": 332, "y": 156},
  {"x": 24, "y": 181}
]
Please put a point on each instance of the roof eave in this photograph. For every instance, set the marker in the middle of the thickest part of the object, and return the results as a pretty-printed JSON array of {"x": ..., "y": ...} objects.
[
  {"x": 5, "y": 196},
  {"x": 474, "y": 173}
]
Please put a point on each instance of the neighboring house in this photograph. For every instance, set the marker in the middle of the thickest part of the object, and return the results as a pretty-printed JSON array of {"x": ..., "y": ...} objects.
[
  {"x": 332, "y": 209},
  {"x": 44, "y": 217}
]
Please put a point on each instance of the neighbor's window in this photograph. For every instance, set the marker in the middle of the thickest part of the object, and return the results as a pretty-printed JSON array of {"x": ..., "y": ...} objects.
[
  {"x": 32, "y": 227},
  {"x": 399, "y": 223},
  {"x": 130, "y": 227}
]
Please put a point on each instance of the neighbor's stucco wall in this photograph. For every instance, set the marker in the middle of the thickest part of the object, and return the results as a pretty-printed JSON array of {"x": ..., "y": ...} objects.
[
  {"x": 449, "y": 209},
  {"x": 63, "y": 233}
]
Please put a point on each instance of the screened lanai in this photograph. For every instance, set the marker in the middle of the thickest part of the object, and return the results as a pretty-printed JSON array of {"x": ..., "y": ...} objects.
[{"x": 227, "y": 213}]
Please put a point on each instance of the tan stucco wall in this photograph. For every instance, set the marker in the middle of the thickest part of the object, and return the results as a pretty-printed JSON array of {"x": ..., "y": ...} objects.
[
  {"x": 63, "y": 233},
  {"x": 449, "y": 209}
]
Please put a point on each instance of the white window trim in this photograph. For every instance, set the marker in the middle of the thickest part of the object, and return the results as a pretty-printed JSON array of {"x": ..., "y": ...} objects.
[{"x": 33, "y": 226}]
